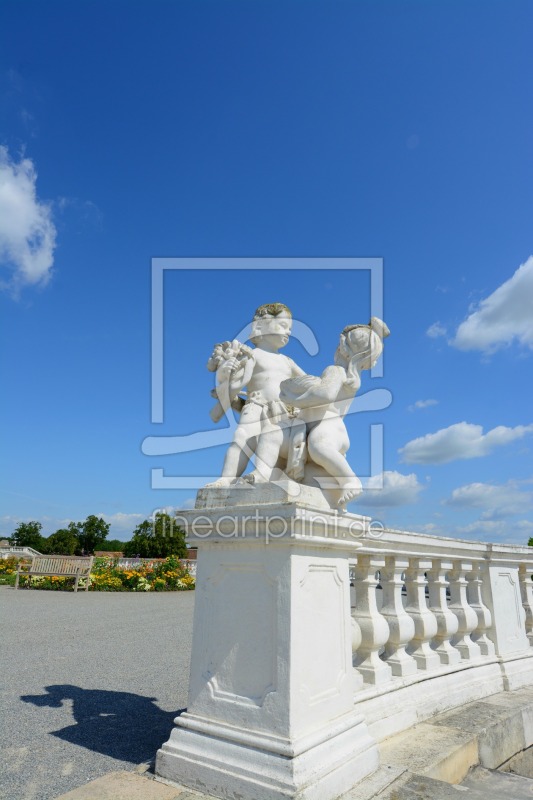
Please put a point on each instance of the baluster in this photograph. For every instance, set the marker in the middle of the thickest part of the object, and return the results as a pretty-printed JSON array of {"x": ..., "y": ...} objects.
[
  {"x": 447, "y": 622},
  {"x": 356, "y": 643},
  {"x": 526, "y": 591},
  {"x": 356, "y": 629},
  {"x": 401, "y": 626},
  {"x": 466, "y": 616},
  {"x": 424, "y": 619},
  {"x": 484, "y": 617},
  {"x": 374, "y": 627},
  {"x": 352, "y": 584}
]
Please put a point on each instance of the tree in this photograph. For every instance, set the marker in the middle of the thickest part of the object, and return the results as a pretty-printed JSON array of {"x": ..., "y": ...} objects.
[
  {"x": 91, "y": 533},
  {"x": 140, "y": 544},
  {"x": 28, "y": 534},
  {"x": 112, "y": 545},
  {"x": 63, "y": 542},
  {"x": 157, "y": 538}
]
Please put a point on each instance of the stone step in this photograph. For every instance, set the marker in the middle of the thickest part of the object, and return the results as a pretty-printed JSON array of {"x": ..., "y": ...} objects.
[
  {"x": 440, "y": 758},
  {"x": 480, "y": 784},
  {"x": 496, "y": 785}
]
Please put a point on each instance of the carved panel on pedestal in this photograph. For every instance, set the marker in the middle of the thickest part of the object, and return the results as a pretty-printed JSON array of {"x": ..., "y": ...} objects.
[
  {"x": 508, "y": 613},
  {"x": 241, "y": 667},
  {"x": 323, "y": 637},
  {"x": 509, "y": 595}
]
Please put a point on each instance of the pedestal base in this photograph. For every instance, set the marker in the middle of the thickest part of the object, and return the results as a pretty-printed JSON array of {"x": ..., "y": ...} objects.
[
  {"x": 517, "y": 672},
  {"x": 233, "y": 770},
  {"x": 271, "y": 693},
  {"x": 260, "y": 495}
]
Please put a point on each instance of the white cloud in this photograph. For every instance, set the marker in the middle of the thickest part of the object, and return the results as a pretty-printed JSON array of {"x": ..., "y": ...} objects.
[
  {"x": 190, "y": 502},
  {"x": 81, "y": 215},
  {"x": 391, "y": 489},
  {"x": 50, "y": 524},
  {"x": 499, "y": 530},
  {"x": 497, "y": 500},
  {"x": 436, "y": 330},
  {"x": 429, "y": 527},
  {"x": 8, "y": 525},
  {"x": 122, "y": 523},
  {"x": 422, "y": 404},
  {"x": 505, "y": 315},
  {"x": 27, "y": 232},
  {"x": 459, "y": 441}
]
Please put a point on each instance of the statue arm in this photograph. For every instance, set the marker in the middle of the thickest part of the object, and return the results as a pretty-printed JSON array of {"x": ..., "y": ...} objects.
[
  {"x": 241, "y": 376},
  {"x": 309, "y": 391}
]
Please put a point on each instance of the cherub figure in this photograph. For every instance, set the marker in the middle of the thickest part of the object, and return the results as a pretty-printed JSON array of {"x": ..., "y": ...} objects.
[
  {"x": 323, "y": 403},
  {"x": 261, "y": 369}
]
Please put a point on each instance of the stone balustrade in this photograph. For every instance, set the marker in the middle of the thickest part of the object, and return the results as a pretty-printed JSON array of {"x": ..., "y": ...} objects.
[
  {"x": 431, "y": 609},
  {"x": 14, "y": 551},
  {"x": 316, "y": 639}
]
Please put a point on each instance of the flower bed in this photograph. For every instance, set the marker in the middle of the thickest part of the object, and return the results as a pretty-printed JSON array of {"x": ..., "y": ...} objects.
[
  {"x": 8, "y": 570},
  {"x": 168, "y": 575}
]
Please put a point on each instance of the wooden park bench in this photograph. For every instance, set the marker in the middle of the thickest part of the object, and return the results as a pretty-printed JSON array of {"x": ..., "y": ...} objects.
[{"x": 60, "y": 566}]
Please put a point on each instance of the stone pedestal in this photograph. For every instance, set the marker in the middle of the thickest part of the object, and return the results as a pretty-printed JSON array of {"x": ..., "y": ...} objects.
[
  {"x": 508, "y": 616},
  {"x": 271, "y": 701}
]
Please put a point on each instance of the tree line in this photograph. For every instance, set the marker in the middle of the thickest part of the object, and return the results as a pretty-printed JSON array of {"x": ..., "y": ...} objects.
[{"x": 158, "y": 537}]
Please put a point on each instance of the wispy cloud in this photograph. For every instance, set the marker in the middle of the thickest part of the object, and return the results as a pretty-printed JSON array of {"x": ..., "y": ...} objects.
[
  {"x": 501, "y": 318},
  {"x": 8, "y": 523},
  {"x": 189, "y": 502},
  {"x": 497, "y": 500},
  {"x": 459, "y": 441},
  {"x": 430, "y": 528},
  {"x": 27, "y": 231},
  {"x": 498, "y": 530},
  {"x": 436, "y": 330},
  {"x": 123, "y": 523},
  {"x": 391, "y": 489},
  {"x": 422, "y": 404},
  {"x": 81, "y": 215}
]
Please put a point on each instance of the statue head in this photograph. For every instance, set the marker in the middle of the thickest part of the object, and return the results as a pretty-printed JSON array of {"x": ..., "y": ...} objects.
[
  {"x": 272, "y": 320},
  {"x": 360, "y": 346}
]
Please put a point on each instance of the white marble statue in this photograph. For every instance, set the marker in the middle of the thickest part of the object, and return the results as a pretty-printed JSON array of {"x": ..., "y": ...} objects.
[{"x": 291, "y": 421}]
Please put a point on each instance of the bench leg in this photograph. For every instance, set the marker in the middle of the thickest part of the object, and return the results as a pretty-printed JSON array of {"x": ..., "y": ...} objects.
[
  {"x": 17, "y": 580},
  {"x": 76, "y": 581}
]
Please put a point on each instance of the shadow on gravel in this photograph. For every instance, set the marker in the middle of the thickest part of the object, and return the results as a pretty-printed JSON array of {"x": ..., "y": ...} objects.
[{"x": 122, "y": 725}]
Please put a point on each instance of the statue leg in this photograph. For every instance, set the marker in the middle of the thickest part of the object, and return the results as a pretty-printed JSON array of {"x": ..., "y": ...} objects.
[
  {"x": 242, "y": 448},
  {"x": 335, "y": 463},
  {"x": 237, "y": 458},
  {"x": 266, "y": 454}
]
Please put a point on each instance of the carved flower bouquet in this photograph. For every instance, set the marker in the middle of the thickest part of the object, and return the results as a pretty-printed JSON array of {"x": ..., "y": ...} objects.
[{"x": 228, "y": 360}]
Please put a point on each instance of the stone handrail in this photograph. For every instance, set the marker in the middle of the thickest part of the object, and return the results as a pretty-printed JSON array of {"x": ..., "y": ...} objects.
[
  {"x": 425, "y": 608},
  {"x": 14, "y": 550}
]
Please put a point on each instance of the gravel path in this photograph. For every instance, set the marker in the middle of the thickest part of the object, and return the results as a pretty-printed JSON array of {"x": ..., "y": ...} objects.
[{"x": 90, "y": 684}]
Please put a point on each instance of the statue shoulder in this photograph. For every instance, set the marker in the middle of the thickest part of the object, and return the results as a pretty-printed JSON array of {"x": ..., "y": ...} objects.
[{"x": 295, "y": 369}]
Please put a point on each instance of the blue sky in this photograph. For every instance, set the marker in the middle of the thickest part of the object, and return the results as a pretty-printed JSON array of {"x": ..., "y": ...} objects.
[{"x": 395, "y": 130}]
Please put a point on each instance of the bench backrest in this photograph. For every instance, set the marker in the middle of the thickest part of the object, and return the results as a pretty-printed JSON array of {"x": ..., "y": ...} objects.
[{"x": 60, "y": 565}]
